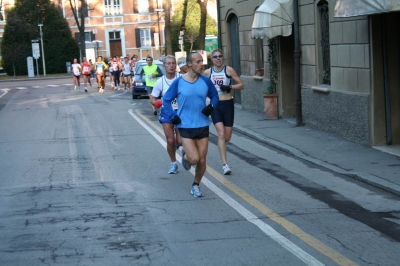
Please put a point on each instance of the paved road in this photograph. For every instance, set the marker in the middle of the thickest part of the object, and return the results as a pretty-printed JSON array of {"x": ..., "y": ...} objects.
[{"x": 83, "y": 182}]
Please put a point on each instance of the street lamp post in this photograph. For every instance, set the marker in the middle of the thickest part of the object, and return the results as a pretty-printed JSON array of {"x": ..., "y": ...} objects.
[
  {"x": 41, "y": 41},
  {"x": 158, "y": 10}
]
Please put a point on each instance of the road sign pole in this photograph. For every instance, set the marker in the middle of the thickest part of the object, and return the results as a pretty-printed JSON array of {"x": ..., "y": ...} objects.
[{"x": 37, "y": 67}]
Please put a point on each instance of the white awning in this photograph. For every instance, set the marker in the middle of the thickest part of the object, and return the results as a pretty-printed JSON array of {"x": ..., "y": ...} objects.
[
  {"x": 351, "y": 8},
  {"x": 273, "y": 18}
]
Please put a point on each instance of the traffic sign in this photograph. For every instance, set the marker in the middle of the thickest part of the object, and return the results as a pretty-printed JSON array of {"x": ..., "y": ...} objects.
[{"x": 35, "y": 50}]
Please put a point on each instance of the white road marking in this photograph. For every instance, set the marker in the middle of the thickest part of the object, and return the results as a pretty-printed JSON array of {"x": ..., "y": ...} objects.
[
  {"x": 4, "y": 92},
  {"x": 21, "y": 88},
  {"x": 134, "y": 103},
  {"x": 54, "y": 86},
  {"x": 68, "y": 84},
  {"x": 36, "y": 87},
  {"x": 249, "y": 216},
  {"x": 119, "y": 94}
]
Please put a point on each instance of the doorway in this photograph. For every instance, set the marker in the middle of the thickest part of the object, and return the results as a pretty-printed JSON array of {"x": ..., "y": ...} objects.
[
  {"x": 385, "y": 105},
  {"x": 235, "y": 51},
  {"x": 286, "y": 77},
  {"x": 115, "y": 43}
]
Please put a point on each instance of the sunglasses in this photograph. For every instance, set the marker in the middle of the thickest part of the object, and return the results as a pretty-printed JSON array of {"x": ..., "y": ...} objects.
[{"x": 217, "y": 56}]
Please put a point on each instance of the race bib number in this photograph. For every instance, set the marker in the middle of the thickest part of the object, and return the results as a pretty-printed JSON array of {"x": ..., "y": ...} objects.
[
  {"x": 85, "y": 69},
  {"x": 174, "y": 104},
  {"x": 100, "y": 69},
  {"x": 218, "y": 80}
]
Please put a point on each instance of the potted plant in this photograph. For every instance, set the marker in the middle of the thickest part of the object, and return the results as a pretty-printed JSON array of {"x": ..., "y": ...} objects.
[{"x": 270, "y": 95}]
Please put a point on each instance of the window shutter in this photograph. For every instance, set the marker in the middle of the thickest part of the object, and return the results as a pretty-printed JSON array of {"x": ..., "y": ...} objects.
[
  {"x": 135, "y": 6},
  {"x": 152, "y": 35},
  {"x": 151, "y": 6},
  {"x": 92, "y": 36},
  {"x": 137, "y": 33}
]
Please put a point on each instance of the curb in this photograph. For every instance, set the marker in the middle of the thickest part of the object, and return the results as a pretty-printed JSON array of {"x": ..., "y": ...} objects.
[
  {"x": 364, "y": 177},
  {"x": 39, "y": 78}
]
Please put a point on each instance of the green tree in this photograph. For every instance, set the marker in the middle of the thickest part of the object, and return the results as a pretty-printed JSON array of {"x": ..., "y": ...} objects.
[
  {"x": 22, "y": 27},
  {"x": 192, "y": 27}
]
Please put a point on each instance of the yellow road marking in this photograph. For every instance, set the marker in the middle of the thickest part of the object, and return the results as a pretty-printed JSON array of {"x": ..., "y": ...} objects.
[{"x": 289, "y": 226}]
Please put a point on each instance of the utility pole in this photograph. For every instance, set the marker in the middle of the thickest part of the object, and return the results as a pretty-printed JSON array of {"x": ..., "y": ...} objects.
[{"x": 41, "y": 41}]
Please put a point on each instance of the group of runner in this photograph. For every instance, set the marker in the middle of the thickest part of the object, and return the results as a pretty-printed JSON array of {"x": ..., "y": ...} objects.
[
  {"x": 184, "y": 112},
  {"x": 117, "y": 67}
]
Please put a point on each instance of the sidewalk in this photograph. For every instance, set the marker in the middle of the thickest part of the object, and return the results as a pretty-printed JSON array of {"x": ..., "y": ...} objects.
[{"x": 323, "y": 149}]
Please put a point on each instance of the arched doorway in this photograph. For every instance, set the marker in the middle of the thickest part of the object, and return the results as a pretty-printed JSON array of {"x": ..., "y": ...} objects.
[{"x": 233, "y": 25}]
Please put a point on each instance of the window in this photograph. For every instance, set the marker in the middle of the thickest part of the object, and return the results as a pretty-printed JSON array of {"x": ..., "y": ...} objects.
[
  {"x": 325, "y": 45},
  {"x": 113, "y": 7},
  {"x": 259, "y": 64},
  {"x": 89, "y": 36},
  {"x": 143, "y": 6},
  {"x": 114, "y": 35},
  {"x": 145, "y": 37}
]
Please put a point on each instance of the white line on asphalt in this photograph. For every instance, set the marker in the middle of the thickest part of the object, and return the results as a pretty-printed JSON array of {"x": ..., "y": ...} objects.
[
  {"x": 54, "y": 86},
  {"x": 4, "y": 92},
  {"x": 119, "y": 94},
  {"x": 36, "y": 87},
  {"x": 134, "y": 103},
  {"x": 68, "y": 84},
  {"x": 249, "y": 216},
  {"x": 21, "y": 88}
]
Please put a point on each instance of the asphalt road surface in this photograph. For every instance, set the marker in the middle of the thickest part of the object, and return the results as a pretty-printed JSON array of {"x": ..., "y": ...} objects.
[{"x": 84, "y": 181}]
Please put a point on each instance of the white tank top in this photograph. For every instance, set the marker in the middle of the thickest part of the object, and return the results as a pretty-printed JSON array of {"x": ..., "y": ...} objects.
[
  {"x": 127, "y": 69},
  {"x": 220, "y": 78},
  {"x": 166, "y": 83}
]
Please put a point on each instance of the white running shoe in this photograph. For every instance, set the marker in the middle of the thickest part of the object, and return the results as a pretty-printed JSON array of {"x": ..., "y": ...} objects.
[
  {"x": 226, "y": 170},
  {"x": 75, "y": 88}
]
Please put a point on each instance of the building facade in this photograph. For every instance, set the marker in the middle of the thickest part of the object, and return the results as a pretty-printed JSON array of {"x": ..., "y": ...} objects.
[
  {"x": 114, "y": 27},
  {"x": 120, "y": 27},
  {"x": 342, "y": 68}
]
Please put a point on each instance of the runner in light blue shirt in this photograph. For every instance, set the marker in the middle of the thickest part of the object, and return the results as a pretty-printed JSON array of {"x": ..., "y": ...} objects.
[{"x": 192, "y": 117}]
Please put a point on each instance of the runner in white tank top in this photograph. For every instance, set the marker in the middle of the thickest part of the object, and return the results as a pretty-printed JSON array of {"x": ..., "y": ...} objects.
[
  {"x": 159, "y": 89},
  {"x": 126, "y": 73},
  {"x": 223, "y": 115}
]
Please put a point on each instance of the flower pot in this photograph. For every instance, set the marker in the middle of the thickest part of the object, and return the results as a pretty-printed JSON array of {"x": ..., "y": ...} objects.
[{"x": 271, "y": 106}]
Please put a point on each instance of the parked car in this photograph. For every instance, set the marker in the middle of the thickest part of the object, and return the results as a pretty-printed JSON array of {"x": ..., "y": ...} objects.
[{"x": 139, "y": 88}]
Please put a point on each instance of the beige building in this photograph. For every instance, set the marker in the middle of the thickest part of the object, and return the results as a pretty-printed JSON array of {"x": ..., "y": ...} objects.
[{"x": 343, "y": 65}]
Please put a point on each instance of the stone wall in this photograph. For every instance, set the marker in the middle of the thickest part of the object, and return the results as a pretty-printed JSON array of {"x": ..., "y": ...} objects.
[
  {"x": 252, "y": 94},
  {"x": 345, "y": 115}
]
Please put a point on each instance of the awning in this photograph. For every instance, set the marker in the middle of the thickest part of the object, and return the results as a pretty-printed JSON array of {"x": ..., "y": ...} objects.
[
  {"x": 273, "y": 18},
  {"x": 351, "y": 8}
]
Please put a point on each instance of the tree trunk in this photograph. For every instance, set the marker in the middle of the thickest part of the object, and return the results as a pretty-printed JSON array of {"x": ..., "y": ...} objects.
[
  {"x": 81, "y": 24},
  {"x": 82, "y": 29},
  {"x": 184, "y": 14},
  {"x": 167, "y": 30},
  {"x": 203, "y": 18}
]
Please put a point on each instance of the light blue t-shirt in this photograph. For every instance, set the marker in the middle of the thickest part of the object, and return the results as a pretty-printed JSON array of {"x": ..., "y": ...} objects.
[{"x": 191, "y": 98}]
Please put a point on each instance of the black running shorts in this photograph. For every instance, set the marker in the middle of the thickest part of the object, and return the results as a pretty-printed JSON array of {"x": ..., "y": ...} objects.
[
  {"x": 194, "y": 133},
  {"x": 225, "y": 113}
]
